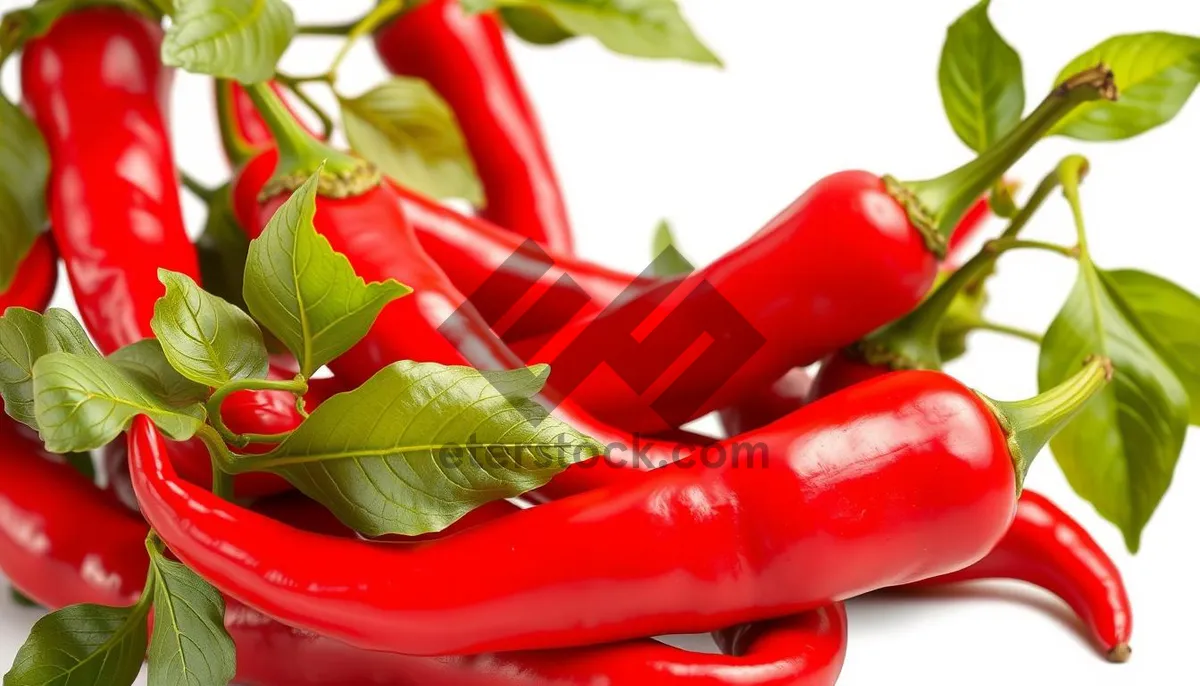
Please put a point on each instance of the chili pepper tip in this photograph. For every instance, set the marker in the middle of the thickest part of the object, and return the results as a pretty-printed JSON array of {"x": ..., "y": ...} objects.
[{"x": 1120, "y": 654}]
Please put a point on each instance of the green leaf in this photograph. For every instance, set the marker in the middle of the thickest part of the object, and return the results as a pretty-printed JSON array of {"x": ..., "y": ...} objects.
[
  {"x": 668, "y": 261},
  {"x": 222, "y": 249},
  {"x": 82, "y": 645},
  {"x": 405, "y": 128},
  {"x": 420, "y": 445},
  {"x": 24, "y": 170},
  {"x": 83, "y": 403},
  {"x": 1167, "y": 317},
  {"x": 1155, "y": 75},
  {"x": 306, "y": 293},
  {"x": 534, "y": 26},
  {"x": 205, "y": 338},
  {"x": 230, "y": 39},
  {"x": 25, "y": 336},
  {"x": 1120, "y": 451},
  {"x": 146, "y": 361},
  {"x": 981, "y": 80},
  {"x": 641, "y": 28},
  {"x": 20, "y": 599},
  {"x": 189, "y": 645}
]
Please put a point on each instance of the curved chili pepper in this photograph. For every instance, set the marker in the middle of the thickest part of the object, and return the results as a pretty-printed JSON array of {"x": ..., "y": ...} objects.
[
  {"x": 434, "y": 319},
  {"x": 113, "y": 192},
  {"x": 1047, "y": 548},
  {"x": 863, "y": 477},
  {"x": 783, "y": 397},
  {"x": 464, "y": 58},
  {"x": 33, "y": 285},
  {"x": 46, "y": 554}
]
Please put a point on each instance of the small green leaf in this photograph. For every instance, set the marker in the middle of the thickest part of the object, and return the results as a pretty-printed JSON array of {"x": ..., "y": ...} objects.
[
  {"x": 306, "y": 293},
  {"x": 668, "y": 261},
  {"x": 205, "y": 338},
  {"x": 1167, "y": 316},
  {"x": 231, "y": 39},
  {"x": 981, "y": 79},
  {"x": 1120, "y": 452},
  {"x": 146, "y": 361},
  {"x": 25, "y": 336},
  {"x": 534, "y": 26},
  {"x": 420, "y": 445},
  {"x": 82, "y": 645},
  {"x": 641, "y": 28},
  {"x": 407, "y": 130},
  {"x": 83, "y": 403},
  {"x": 189, "y": 645},
  {"x": 1155, "y": 74},
  {"x": 24, "y": 170},
  {"x": 222, "y": 249}
]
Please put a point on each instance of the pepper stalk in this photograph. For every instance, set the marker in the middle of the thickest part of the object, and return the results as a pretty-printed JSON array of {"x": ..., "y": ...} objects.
[{"x": 936, "y": 206}]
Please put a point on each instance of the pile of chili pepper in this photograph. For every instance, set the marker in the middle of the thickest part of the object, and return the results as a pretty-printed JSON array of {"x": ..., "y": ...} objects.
[{"x": 850, "y": 462}]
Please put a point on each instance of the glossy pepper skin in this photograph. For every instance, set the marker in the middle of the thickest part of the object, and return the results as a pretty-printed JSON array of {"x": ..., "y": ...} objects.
[
  {"x": 1047, "y": 548},
  {"x": 33, "y": 285},
  {"x": 113, "y": 192},
  {"x": 435, "y": 325},
  {"x": 464, "y": 58},
  {"x": 49, "y": 557},
  {"x": 862, "y": 477}
]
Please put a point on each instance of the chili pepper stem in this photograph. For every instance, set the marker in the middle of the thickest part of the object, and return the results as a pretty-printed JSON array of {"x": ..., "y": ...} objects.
[
  {"x": 935, "y": 206},
  {"x": 1030, "y": 424},
  {"x": 912, "y": 341},
  {"x": 301, "y": 155}
]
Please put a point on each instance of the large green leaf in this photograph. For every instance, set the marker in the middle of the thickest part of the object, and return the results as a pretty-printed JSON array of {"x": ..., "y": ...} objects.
[
  {"x": 146, "y": 361},
  {"x": 981, "y": 79},
  {"x": 24, "y": 170},
  {"x": 405, "y": 128},
  {"x": 205, "y": 338},
  {"x": 420, "y": 445},
  {"x": 641, "y": 28},
  {"x": 1120, "y": 452},
  {"x": 83, "y": 403},
  {"x": 306, "y": 293},
  {"x": 1168, "y": 317},
  {"x": 533, "y": 25},
  {"x": 1155, "y": 74},
  {"x": 189, "y": 645},
  {"x": 25, "y": 336},
  {"x": 82, "y": 645},
  {"x": 231, "y": 39}
]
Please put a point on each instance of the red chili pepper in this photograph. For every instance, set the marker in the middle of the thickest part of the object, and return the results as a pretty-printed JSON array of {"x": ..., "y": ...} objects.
[
  {"x": 113, "y": 192},
  {"x": 493, "y": 266},
  {"x": 897, "y": 480},
  {"x": 47, "y": 555},
  {"x": 783, "y": 397},
  {"x": 464, "y": 58},
  {"x": 1047, "y": 548},
  {"x": 435, "y": 324},
  {"x": 33, "y": 285}
]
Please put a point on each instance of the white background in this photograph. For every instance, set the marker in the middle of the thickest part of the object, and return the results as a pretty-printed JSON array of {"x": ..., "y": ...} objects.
[{"x": 810, "y": 88}]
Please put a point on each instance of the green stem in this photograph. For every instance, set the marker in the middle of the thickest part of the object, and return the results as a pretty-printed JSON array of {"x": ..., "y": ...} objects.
[
  {"x": 382, "y": 12},
  {"x": 293, "y": 85},
  {"x": 201, "y": 191},
  {"x": 1072, "y": 171},
  {"x": 301, "y": 155},
  {"x": 1030, "y": 424},
  {"x": 325, "y": 29},
  {"x": 297, "y": 386},
  {"x": 911, "y": 342},
  {"x": 936, "y": 206},
  {"x": 1015, "y": 332},
  {"x": 1049, "y": 183}
]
